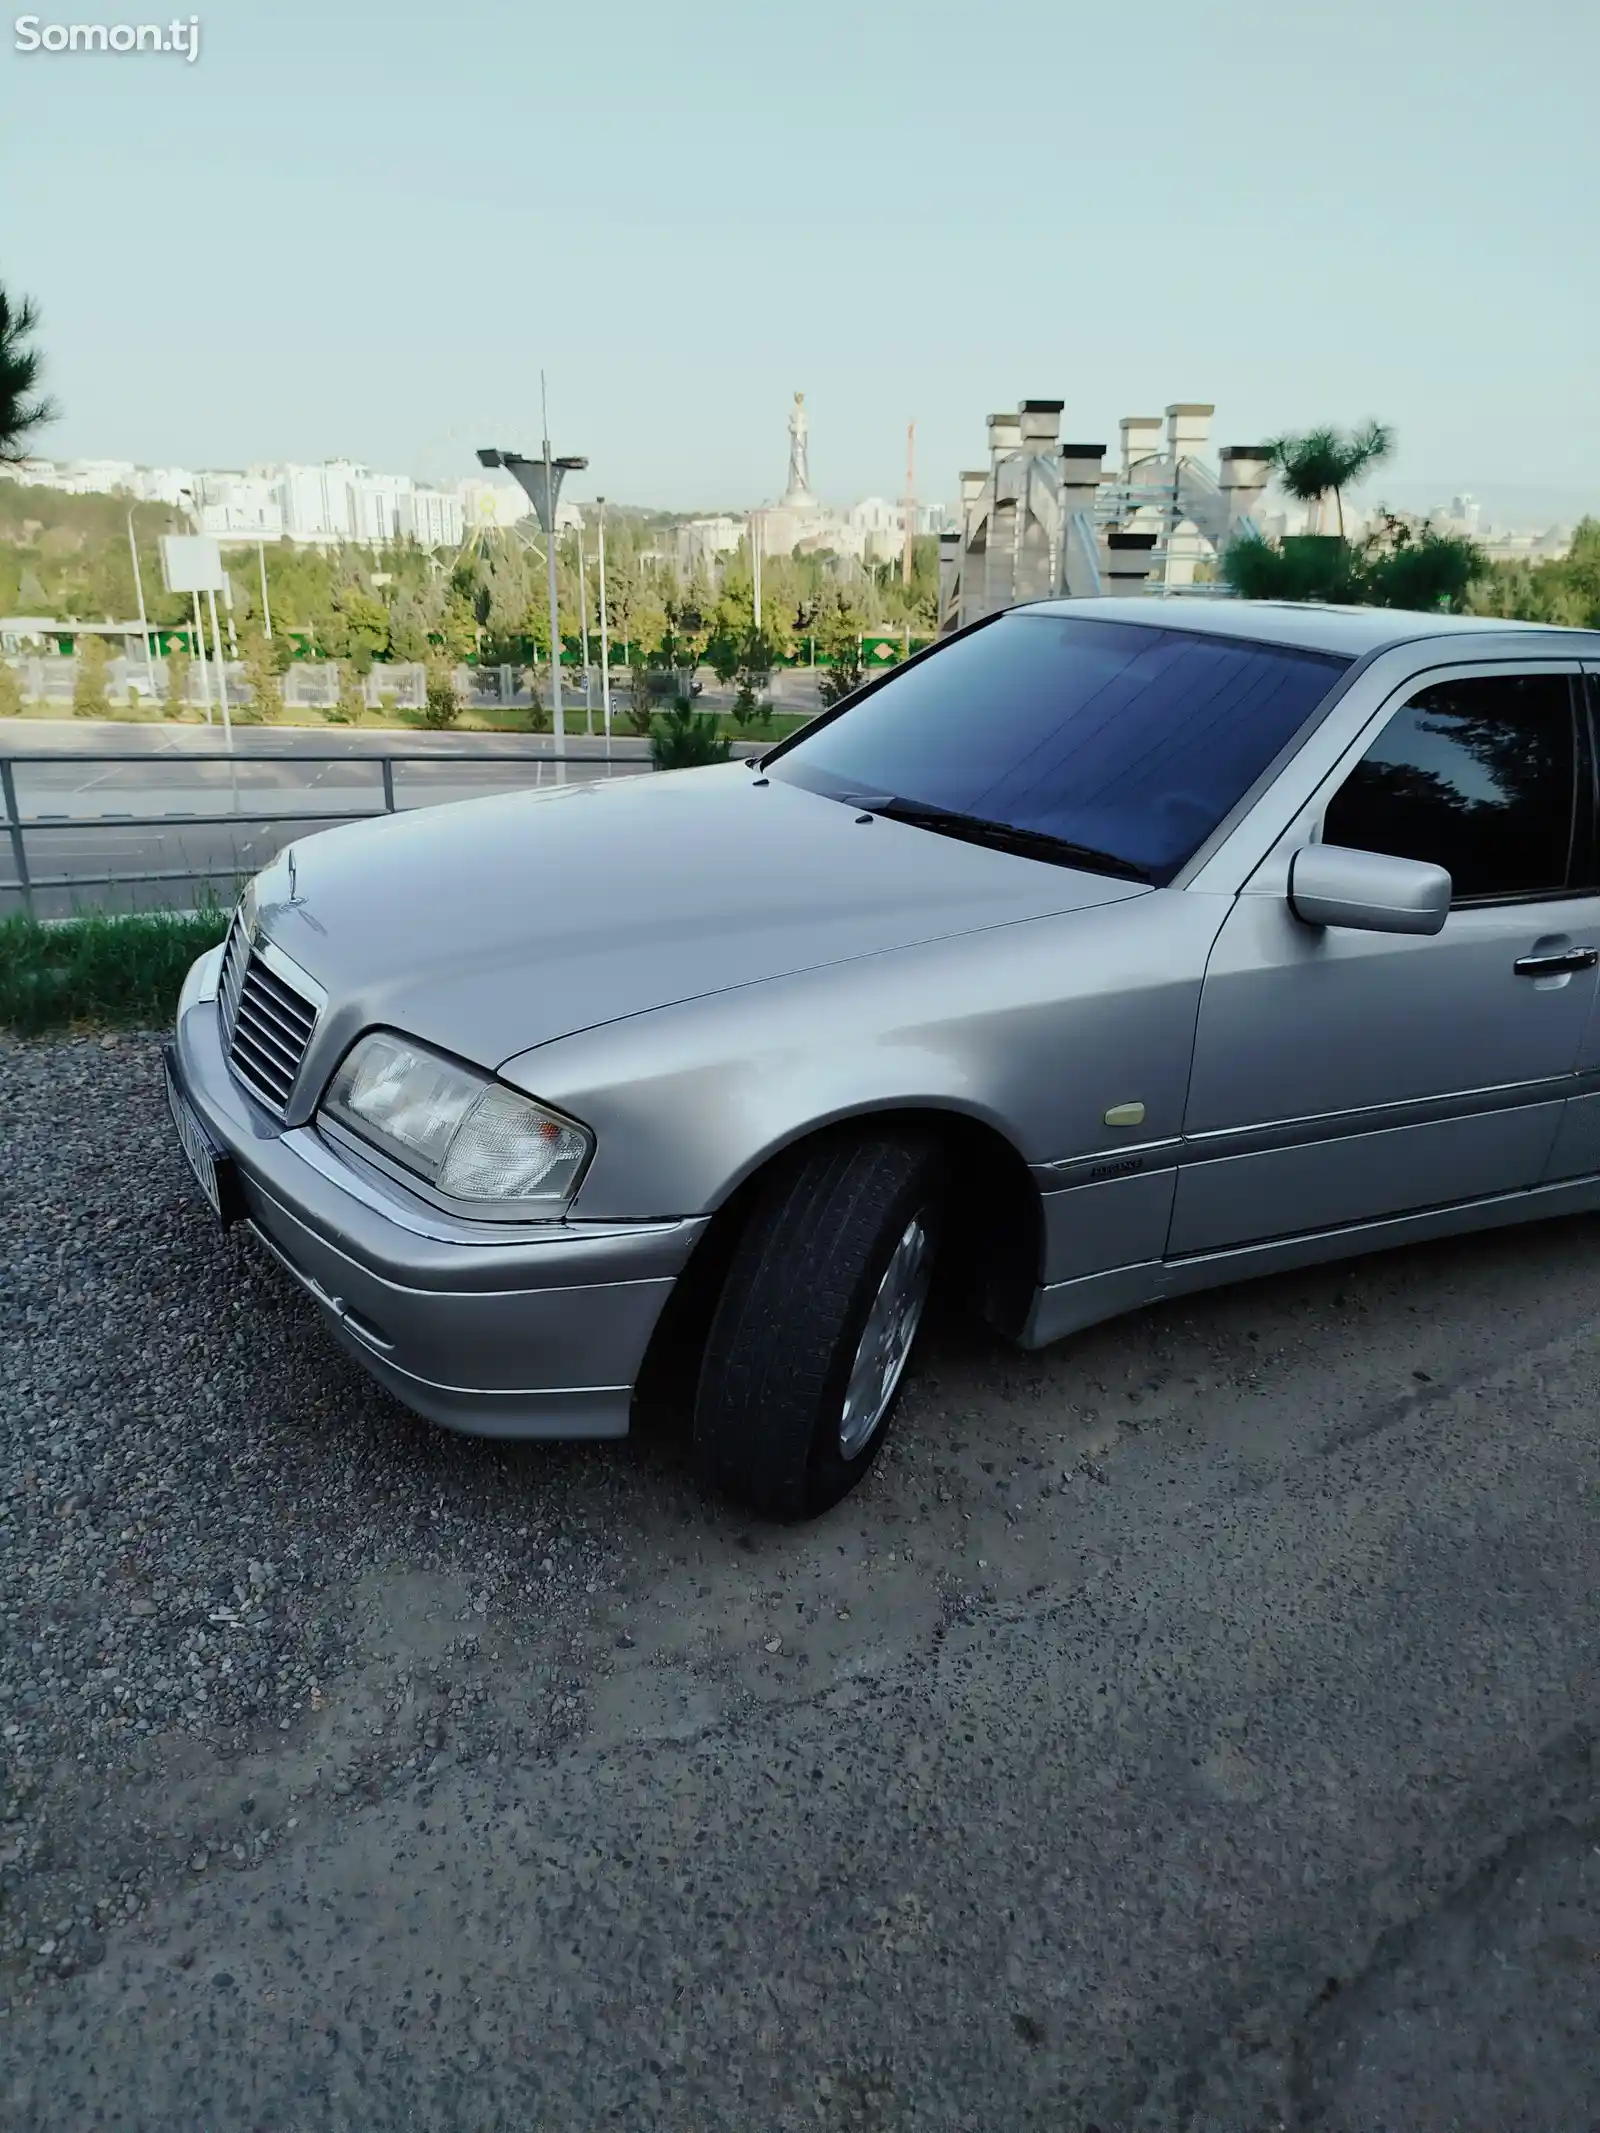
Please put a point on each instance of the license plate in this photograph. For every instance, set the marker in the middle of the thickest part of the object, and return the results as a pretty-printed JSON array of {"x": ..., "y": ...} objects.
[{"x": 211, "y": 1168}]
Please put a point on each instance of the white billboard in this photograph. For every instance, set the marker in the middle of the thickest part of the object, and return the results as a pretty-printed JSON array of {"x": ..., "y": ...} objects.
[{"x": 191, "y": 563}]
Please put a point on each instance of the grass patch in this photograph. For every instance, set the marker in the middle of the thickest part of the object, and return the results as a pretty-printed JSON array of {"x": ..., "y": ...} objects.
[{"x": 99, "y": 970}]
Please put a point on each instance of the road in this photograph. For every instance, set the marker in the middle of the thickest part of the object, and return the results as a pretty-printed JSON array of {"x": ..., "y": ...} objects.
[
  {"x": 1187, "y": 1730},
  {"x": 268, "y": 773}
]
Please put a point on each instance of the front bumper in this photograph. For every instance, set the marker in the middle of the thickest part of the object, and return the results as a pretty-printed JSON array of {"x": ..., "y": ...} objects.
[{"x": 498, "y": 1329}]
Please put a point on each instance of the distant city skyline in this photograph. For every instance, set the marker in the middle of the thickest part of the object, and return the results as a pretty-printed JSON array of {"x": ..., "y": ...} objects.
[
  {"x": 276, "y": 499},
  {"x": 367, "y": 235}
]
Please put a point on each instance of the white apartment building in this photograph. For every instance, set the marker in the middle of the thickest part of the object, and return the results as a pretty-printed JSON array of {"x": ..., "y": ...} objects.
[
  {"x": 697, "y": 543},
  {"x": 316, "y": 500},
  {"x": 339, "y": 500},
  {"x": 431, "y": 517},
  {"x": 162, "y": 485},
  {"x": 239, "y": 507}
]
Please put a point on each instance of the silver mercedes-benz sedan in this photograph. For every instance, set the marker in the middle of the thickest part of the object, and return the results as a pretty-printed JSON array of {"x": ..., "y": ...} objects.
[{"x": 1108, "y": 950}]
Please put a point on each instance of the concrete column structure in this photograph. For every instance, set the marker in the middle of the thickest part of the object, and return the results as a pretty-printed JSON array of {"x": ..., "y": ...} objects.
[
  {"x": 1005, "y": 437},
  {"x": 976, "y": 487},
  {"x": 1188, "y": 427},
  {"x": 1141, "y": 439},
  {"x": 1080, "y": 469},
  {"x": 1039, "y": 424},
  {"x": 1127, "y": 567},
  {"x": 1243, "y": 472},
  {"x": 949, "y": 580}
]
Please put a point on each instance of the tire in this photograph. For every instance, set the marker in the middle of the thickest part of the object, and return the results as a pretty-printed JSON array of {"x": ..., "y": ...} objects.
[{"x": 852, "y": 1224}]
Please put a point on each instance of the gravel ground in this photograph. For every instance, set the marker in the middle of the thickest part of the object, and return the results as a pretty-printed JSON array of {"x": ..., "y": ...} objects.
[
  {"x": 196, "y": 1490},
  {"x": 1189, "y": 1728}
]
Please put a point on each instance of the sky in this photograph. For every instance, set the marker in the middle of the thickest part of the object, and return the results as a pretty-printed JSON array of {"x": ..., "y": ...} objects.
[{"x": 352, "y": 231}]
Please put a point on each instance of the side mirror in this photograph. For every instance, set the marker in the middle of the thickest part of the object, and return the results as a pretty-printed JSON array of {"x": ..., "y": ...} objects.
[{"x": 1334, "y": 885}]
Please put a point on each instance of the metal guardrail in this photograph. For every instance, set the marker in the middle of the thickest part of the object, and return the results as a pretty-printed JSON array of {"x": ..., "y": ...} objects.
[{"x": 17, "y": 825}]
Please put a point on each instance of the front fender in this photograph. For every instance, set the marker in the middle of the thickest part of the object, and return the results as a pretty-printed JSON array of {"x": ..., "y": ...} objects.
[{"x": 1033, "y": 1029}]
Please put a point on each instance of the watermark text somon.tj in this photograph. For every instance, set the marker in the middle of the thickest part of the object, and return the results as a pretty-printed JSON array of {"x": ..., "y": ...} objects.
[{"x": 181, "y": 36}]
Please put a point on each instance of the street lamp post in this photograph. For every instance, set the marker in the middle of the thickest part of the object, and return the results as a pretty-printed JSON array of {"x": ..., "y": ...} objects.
[
  {"x": 605, "y": 648},
  {"x": 583, "y": 623},
  {"x": 144, "y": 620},
  {"x": 193, "y": 516},
  {"x": 540, "y": 481}
]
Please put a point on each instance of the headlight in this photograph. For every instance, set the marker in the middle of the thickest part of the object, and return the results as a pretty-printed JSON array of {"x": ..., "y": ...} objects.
[{"x": 466, "y": 1135}]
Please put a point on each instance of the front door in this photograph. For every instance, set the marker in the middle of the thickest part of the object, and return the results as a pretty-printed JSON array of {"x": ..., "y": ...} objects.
[{"x": 1342, "y": 1076}]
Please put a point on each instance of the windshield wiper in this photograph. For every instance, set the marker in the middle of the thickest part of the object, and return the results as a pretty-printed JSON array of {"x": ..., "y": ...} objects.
[{"x": 998, "y": 836}]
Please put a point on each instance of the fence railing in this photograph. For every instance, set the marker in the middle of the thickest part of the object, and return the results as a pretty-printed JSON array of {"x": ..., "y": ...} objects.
[{"x": 28, "y": 885}]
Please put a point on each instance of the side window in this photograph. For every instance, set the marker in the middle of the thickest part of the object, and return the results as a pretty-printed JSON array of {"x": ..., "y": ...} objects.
[{"x": 1479, "y": 776}]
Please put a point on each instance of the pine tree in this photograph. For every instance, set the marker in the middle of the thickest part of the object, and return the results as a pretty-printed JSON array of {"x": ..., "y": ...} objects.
[
  {"x": 176, "y": 701},
  {"x": 261, "y": 672},
  {"x": 89, "y": 698}
]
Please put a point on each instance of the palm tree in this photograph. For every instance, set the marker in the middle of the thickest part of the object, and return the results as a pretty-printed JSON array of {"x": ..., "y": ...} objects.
[
  {"x": 1325, "y": 459},
  {"x": 22, "y": 409}
]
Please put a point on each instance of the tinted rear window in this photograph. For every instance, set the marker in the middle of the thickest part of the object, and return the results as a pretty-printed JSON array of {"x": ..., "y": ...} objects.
[{"x": 1129, "y": 740}]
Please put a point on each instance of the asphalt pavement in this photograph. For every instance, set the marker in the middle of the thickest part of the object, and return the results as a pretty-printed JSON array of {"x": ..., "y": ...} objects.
[{"x": 1190, "y": 1729}]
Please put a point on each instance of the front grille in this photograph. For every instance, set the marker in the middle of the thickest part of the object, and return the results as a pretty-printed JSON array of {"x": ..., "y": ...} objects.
[{"x": 266, "y": 1023}]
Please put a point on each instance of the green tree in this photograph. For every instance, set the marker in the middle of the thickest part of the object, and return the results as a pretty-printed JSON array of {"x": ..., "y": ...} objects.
[
  {"x": 689, "y": 625},
  {"x": 23, "y": 409},
  {"x": 10, "y": 691},
  {"x": 757, "y": 654},
  {"x": 352, "y": 698},
  {"x": 456, "y": 633},
  {"x": 176, "y": 700},
  {"x": 408, "y": 625},
  {"x": 724, "y": 653},
  {"x": 837, "y": 629},
  {"x": 89, "y": 698},
  {"x": 261, "y": 672},
  {"x": 1399, "y": 565},
  {"x": 649, "y": 632},
  {"x": 1259, "y": 569},
  {"x": 1394, "y": 565},
  {"x": 1560, "y": 589},
  {"x": 1325, "y": 460},
  {"x": 639, "y": 714},
  {"x": 442, "y": 706},
  {"x": 357, "y": 627},
  {"x": 685, "y": 739}
]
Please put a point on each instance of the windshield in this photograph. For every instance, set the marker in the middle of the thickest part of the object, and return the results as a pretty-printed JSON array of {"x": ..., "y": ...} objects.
[{"x": 1124, "y": 745}]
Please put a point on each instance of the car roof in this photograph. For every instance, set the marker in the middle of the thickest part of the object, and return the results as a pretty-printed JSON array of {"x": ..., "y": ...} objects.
[{"x": 1305, "y": 625}]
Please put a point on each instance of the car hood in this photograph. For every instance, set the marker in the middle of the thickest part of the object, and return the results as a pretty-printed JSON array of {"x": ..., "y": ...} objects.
[{"x": 490, "y": 926}]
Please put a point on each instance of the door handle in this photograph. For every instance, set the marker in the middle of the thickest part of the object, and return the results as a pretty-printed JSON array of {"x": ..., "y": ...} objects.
[{"x": 1552, "y": 965}]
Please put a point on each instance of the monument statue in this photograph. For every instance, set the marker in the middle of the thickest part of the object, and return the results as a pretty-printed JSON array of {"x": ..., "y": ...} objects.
[{"x": 798, "y": 494}]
